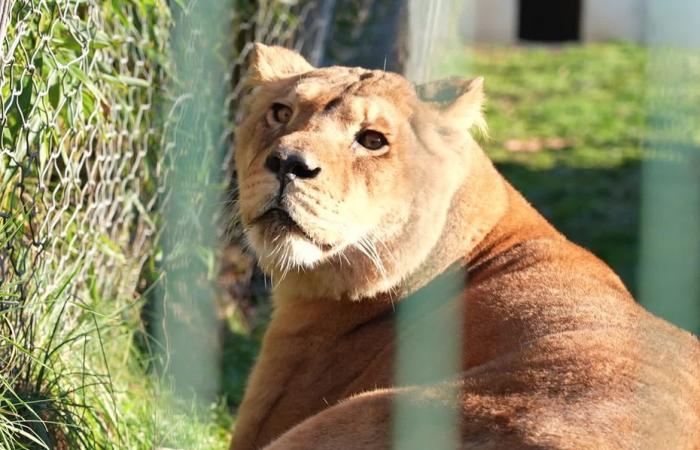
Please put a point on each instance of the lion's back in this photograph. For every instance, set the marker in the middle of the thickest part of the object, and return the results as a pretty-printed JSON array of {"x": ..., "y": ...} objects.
[{"x": 562, "y": 328}]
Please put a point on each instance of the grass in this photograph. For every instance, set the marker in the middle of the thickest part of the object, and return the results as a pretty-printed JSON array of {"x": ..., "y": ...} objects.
[{"x": 72, "y": 377}]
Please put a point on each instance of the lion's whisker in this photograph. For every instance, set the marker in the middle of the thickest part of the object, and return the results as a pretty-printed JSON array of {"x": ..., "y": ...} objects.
[
  {"x": 386, "y": 248},
  {"x": 369, "y": 250}
]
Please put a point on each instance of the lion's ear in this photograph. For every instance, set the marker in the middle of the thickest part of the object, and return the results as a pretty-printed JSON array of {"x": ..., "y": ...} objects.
[
  {"x": 270, "y": 63},
  {"x": 467, "y": 109}
]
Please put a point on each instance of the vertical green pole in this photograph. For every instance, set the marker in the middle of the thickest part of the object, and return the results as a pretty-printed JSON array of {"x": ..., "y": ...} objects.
[
  {"x": 186, "y": 323},
  {"x": 429, "y": 327},
  {"x": 669, "y": 278},
  {"x": 429, "y": 339}
]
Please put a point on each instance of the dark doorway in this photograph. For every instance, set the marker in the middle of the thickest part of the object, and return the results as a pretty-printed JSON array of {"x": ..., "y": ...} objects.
[{"x": 550, "y": 20}]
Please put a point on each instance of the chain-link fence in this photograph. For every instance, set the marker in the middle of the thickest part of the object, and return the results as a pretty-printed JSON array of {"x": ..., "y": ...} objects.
[
  {"x": 79, "y": 86},
  {"x": 78, "y": 93},
  {"x": 90, "y": 129}
]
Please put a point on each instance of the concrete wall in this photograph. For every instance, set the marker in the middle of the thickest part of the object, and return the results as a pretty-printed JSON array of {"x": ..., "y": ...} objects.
[
  {"x": 674, "y": 23},
  {"x": 604, "y": 20},
  {"x": 492, "y": 21},
  {"x": 496, "y": 21}
]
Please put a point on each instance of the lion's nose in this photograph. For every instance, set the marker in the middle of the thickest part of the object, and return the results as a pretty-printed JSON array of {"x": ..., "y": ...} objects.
[{"x": 290, "y": 165}]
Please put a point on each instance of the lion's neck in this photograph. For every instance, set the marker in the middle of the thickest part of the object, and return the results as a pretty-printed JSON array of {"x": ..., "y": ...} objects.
[{"x": 477, "y": 206}]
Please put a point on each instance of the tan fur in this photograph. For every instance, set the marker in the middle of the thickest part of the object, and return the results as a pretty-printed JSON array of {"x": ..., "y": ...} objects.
[{"x": 556, "y": 352}]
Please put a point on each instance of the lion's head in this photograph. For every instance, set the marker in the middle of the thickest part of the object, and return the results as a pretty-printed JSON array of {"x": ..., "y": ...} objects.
[{"x": 345, "y": 176}]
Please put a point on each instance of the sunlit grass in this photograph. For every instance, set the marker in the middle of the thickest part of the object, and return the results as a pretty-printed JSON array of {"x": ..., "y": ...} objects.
[{"x": 74, "y": 378}]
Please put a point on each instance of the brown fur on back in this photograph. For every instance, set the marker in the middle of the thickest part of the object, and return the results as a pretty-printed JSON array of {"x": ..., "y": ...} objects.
[{"x": 556, "y": 353}]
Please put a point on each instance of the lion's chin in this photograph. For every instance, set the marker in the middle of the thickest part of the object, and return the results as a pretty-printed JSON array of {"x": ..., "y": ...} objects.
[
  {"x": 281, "y": 243},
  {"x": 303, "y": 252},
  {"x": 285, "y": 251}
]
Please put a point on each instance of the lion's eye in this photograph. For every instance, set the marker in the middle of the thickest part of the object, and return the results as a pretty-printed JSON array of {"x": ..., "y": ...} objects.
[
  {"x": 281, "y": 113},
  {"x": 372, "y": 140}
]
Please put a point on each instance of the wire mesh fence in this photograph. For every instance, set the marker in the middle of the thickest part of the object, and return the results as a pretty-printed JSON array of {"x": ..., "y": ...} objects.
[
  {"x": 93, "y": 103},
  {"x": 79, "y": 168},
  {"x": 77, "y": 126}
]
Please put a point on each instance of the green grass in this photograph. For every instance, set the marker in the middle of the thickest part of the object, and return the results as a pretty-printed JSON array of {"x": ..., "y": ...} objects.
[{"x": 72, "y": 375}]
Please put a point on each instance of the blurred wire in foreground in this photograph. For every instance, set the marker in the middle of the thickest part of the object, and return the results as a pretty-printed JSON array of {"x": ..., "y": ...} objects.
[
  {"x": 429, "y": 327},
  {"x": 669, "y": 274}
]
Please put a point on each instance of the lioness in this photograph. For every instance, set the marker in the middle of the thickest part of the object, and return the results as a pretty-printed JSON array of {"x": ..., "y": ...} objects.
[{"x": 355, "y": 194}]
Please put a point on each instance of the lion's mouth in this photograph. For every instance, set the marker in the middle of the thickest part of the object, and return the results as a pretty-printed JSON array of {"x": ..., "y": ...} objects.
[{"x": 277, "y": 221}]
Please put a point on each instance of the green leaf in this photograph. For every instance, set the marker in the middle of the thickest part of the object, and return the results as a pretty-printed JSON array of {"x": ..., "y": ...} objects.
[
  {"x": 82, "y": 77},
  {"x": 24, "y": 102},
  {"x": 126, "y": 80},
  {"x": 55, "y": 95}
]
